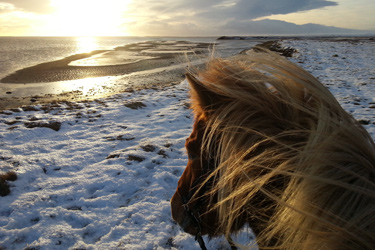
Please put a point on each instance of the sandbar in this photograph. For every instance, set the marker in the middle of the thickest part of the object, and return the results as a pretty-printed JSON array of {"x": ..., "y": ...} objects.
[
  {"x": 146, "y": 65},
  {"x": 120, "y": 61}
]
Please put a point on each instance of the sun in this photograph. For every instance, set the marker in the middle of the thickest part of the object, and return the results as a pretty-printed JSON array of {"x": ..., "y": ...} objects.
[{"x": 88, "y": 17}]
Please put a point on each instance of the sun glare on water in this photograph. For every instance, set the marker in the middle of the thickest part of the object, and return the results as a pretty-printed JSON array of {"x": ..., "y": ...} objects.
[
  {"x": 86, "y": 44},
  {"x": 89, "y": 17}
]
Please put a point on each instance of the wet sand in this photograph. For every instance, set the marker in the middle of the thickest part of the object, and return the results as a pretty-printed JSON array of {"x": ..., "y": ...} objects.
[
  {"x": 134, "y": 57},
  {"x": 143, "y": 65}
]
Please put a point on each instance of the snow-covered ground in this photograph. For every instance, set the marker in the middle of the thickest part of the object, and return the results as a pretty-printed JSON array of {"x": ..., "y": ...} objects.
[
  {"x": 102, "y": 175},
  {"x": 347, "y": 68}
]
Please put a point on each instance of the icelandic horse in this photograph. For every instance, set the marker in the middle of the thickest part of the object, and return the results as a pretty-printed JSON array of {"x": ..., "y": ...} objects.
[{"x": 273, "y": 149}]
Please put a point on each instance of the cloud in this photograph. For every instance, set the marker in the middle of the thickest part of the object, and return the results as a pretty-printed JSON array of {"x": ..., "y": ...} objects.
[
  {"x": 260, "y": 8},
  {"x": 163, "y": 28},
  {"x": 215, "y": 17},
  {"x": 234, "y": 27},
  {"x": 238, "y": 9},
  {"x": 38, "y": 6},
  {"x": 18, "y": 23},
  {"x": 210, "y": 17},
  {"x": 6, "y": 7}
]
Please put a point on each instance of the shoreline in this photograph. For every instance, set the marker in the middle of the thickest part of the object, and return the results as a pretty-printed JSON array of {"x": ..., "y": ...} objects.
[
  {"x": 134, "y": 82},
  {"x": 152, "y": 64},
  {"x": 135, "y": 57}
]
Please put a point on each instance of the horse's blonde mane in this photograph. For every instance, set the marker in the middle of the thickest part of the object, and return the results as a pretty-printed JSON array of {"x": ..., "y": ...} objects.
[{"x": 269, "y": 120}]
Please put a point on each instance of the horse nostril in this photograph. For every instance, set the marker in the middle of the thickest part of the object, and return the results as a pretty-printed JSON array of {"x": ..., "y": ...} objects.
[
  {"x": 189, "y": 226},
  {"x": 185, "y": 223}
]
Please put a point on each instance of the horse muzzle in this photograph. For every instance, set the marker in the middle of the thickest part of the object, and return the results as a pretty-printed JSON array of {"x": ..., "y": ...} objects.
[{"x": 182, "y": 217}]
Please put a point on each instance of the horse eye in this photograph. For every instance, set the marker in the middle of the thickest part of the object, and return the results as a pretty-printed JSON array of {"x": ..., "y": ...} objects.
[{"x": 192, "y": 156}]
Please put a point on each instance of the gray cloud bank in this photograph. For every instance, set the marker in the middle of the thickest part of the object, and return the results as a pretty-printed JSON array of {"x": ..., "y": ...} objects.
[
  {"x": 232, "y": 17},
  {"x": 247, "y": 9}
]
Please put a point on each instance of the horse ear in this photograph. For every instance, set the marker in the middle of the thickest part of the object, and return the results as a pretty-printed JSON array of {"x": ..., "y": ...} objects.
[{"x": 201, "y": 97}]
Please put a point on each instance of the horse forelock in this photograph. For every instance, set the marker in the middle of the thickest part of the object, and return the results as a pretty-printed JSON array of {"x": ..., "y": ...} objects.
[{"x": 279, "y": 135}]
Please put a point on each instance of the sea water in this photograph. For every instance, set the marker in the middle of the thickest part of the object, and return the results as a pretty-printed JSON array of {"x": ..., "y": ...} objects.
[{"x": 20, "y": 52}]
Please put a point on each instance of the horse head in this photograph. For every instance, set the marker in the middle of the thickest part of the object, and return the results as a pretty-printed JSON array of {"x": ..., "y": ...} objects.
[
  {"x": 271, "y": 147},
  {"x": 193, "y": 204},
  {"x": 190, "y": 203}
]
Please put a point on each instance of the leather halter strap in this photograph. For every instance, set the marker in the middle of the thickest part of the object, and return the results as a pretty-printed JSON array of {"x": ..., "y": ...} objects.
[{"x": 194, "y": 214}]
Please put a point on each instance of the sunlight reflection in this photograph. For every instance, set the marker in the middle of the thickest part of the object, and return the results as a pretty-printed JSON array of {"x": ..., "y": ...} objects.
[
  {"x": 99, "y": 86},
  {"x": 86, "y": 44}
]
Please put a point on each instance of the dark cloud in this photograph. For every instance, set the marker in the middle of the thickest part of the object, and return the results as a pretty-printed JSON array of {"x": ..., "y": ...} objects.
[
  {"x": 260, "y": 8},
  {"x": 248, "y": 9},
  {"x": 37, "y": 6},
  {"x": 209, "y": 17},
  {"x": 220, "y": 17}
]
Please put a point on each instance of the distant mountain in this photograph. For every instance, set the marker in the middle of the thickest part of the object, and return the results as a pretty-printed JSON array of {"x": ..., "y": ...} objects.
[{"x": 275, "y": 27}]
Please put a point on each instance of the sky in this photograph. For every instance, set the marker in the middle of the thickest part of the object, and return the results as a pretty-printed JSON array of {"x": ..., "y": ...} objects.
[{"x": 185, "y": 17}]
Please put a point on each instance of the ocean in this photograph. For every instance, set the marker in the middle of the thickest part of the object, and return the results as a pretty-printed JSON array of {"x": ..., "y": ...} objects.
[{"x": 20, "y": 52}]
